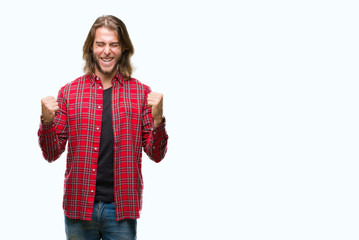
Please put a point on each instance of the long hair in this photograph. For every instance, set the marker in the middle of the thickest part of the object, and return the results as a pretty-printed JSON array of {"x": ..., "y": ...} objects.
[{"x": 115, "y": 24}]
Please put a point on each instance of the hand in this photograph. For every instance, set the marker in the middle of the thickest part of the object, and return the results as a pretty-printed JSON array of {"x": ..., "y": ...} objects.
[
  {"x": 155, "y": 101},
  {"x": 49, "y": 107}
]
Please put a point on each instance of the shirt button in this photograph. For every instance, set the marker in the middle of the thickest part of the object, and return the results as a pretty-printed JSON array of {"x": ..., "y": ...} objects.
[
  {"x": 92, "y": 191},
  {"x": 99, "y": 107},
  {"x": 93, "y": 170},
  {"x": 95, "y": 149},
  {"x": 99, "y": 87},
  {"x": 97, "y": 128}
]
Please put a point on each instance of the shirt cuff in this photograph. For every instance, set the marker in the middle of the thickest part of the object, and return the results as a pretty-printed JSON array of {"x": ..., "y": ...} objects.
[
  {"x": 46, "y": 128},
  {"x": 160, "y": 128}
]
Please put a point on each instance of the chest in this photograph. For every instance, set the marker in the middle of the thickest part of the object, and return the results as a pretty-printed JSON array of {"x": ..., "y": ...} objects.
[{"x": 86, "y": 104}]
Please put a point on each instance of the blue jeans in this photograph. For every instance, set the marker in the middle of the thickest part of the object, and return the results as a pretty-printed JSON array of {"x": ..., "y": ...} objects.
[{"x": 102, "y": 226}]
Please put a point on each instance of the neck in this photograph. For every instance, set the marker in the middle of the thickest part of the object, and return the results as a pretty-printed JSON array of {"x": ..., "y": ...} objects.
[{"x": 106, "y": 79}]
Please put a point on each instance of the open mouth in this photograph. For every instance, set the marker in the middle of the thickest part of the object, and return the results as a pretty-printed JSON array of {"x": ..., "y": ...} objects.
[{"x": 107, "y": 60}]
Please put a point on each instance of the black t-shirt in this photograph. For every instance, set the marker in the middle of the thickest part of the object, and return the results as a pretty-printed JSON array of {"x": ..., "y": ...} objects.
[{"x": 104, "y": 180}]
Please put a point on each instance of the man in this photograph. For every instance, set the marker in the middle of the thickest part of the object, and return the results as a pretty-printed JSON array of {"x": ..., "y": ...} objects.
[{"x": 107, "y": 117}]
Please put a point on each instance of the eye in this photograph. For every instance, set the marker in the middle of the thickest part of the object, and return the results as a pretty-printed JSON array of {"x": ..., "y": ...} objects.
[
  {"x": 100, "y": 44},
  {"x": 115, "y": 45}
]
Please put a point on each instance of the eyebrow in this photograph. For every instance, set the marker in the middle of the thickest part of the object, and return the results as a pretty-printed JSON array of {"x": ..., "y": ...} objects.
[{"x": 110, "y": 43}]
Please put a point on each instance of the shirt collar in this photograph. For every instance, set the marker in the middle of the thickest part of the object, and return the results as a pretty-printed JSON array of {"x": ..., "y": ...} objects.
[{"x": 95, "y": 79}]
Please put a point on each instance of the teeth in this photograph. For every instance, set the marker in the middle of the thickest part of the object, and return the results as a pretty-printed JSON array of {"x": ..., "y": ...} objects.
[{"x": 107, "y": 59}]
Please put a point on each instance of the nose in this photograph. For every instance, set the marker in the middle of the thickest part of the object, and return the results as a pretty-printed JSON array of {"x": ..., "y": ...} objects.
[{"x": 107, "y": 50}]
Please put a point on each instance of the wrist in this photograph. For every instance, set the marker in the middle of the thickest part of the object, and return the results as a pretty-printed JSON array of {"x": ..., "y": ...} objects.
[
  {"x": 158, "y": 121},
  {"x": 45, "y": 121}
]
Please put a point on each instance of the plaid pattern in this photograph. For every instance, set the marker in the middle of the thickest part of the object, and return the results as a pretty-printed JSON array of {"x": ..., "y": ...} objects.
[{"x": 79, "y": 122}]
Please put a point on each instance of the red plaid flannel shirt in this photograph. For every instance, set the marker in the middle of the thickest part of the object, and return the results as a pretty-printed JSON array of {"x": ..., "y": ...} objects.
[{"x": 78, "y": 121}]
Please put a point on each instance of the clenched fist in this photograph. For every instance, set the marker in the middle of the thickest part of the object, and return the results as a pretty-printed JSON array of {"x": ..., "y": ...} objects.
[
  {"x": 49, "y": 107},
  {"x": 155, "y": 101}
]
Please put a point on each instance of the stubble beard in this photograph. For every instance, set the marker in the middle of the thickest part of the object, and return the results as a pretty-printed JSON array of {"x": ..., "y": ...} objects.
[{"x": 102, "y": 71}]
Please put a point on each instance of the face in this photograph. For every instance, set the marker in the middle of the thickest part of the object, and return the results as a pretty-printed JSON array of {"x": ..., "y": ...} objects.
[{"x": 106, "y": 51}]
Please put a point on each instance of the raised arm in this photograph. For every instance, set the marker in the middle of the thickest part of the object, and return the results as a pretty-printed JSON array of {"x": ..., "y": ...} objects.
[
  {"x": 154, "y": 135},
  {"x": 53, "y": 127}
]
